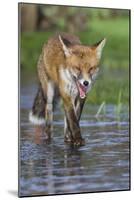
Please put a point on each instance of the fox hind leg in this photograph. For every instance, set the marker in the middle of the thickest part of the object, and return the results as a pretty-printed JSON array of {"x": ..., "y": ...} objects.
[
  {"x": 49, "y": 109},
  {"x": 41, "y": 115},
  {"x": 37, "y": 115}
]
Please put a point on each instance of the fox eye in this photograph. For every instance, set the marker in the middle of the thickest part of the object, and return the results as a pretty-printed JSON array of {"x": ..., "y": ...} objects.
[
  {"x": 77, "y": 68},
  {"x": 91, "y": 70}
]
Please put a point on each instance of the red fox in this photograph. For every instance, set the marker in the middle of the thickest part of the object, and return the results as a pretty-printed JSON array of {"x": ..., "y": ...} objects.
[{"x": 66, "y": 69}]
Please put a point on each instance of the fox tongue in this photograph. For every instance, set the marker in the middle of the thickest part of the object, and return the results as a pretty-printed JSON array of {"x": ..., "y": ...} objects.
[{"x": 82, "y": 91}]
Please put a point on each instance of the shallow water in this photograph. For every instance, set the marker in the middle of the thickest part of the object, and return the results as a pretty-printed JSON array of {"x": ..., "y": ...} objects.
[{"x": 56, "y": 168}]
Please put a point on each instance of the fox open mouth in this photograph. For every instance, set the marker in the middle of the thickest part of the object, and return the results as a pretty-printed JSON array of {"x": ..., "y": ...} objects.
[{"x": 82, "y": 90}]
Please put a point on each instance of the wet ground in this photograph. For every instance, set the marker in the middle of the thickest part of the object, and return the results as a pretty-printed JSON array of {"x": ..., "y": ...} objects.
[{"x": 56, "y": 168}]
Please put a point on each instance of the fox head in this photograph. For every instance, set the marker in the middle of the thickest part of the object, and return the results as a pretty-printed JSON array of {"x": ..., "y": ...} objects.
[{"x": 83, "y": 63}]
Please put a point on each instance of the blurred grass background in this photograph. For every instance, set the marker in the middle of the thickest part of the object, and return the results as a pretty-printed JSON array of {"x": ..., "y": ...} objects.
[{"x": 91, "y": 25}]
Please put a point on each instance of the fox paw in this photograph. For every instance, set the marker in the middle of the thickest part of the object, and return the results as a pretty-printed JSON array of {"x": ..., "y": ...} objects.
[
  {"x": 79, "y": 142},
  {"x": 75, "y": 142}
]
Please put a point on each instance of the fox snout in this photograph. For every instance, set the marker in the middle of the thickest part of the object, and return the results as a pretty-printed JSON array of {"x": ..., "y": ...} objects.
[
  {"x": 83, "y": 87},
  {"x": 85, "y": 83}
]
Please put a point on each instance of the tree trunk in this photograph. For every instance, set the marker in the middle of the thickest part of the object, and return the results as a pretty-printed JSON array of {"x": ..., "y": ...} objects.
[{"x": 28, "y": 14}]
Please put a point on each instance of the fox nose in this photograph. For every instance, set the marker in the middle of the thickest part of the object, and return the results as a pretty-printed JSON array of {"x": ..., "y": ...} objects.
[{"x": 86, "y": 83}]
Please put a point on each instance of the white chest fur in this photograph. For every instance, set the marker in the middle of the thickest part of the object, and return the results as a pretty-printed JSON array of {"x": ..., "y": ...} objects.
[{"x": 70, "y": 85}]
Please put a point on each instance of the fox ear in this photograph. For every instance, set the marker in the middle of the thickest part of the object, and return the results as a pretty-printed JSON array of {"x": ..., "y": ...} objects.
[
  {"x": 99, "y": 47},
  {"x": 64, "y": 44}
]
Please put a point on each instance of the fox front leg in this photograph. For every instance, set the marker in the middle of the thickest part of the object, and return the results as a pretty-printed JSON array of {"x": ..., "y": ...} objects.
[
  {"x": 67, "y": 133},
  {"x": 78, "y": 107},
  {"x": 72, "y": 123}
]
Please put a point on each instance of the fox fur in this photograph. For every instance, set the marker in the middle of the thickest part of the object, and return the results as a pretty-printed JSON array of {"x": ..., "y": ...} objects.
[{"x": 67, "y": 70}]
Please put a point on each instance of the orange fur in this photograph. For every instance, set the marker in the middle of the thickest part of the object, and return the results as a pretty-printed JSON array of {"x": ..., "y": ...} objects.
[{"x": 67, "y": 66}]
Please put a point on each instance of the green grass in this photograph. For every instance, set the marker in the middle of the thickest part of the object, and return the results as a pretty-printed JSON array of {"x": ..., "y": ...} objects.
[
  {"x": 116, "y": 51},
  {"x": 31, "y": 45},
  {"x": 108, "y": 87},
  {"x": 114, "y": 75}
]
